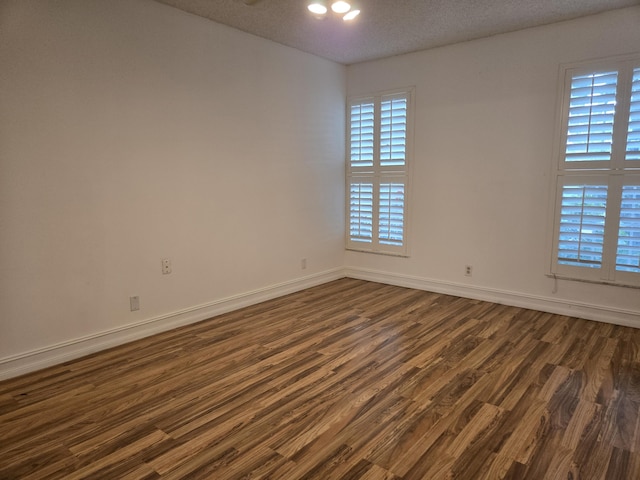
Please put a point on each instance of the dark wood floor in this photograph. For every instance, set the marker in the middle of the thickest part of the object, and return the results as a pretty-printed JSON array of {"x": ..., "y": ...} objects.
[{"x": 349, "y": 380}]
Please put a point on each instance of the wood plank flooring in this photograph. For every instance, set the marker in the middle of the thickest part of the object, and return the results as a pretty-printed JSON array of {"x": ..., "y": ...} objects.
[{"x": 348, "y": 380}]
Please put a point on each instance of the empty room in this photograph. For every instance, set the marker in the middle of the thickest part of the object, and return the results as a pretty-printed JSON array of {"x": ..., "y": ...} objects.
[{"x": 296, "y": 239}]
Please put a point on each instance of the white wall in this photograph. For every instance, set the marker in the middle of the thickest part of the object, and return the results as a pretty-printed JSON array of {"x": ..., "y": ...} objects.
[
  {"x": 485, "y": 118},
  {"x": 130, "y": 132}
]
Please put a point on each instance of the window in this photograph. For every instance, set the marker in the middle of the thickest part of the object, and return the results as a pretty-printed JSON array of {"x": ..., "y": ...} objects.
[
  {"x": 597, "y": 198},
  {"x": 377, "y": 172}
]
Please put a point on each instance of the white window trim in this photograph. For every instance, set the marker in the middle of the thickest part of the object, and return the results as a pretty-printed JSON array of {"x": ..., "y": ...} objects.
[
  {"x": 378, "y": 174},
  {"x": 613, "y": 173}
]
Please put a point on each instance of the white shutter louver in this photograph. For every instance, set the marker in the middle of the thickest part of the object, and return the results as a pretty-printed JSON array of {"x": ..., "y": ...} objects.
[
  {"x": 393, "y": 131},
  {"x": 633, "y": 134},
  {"x": 591, "y": 114},
  {"x": 582, "y": 219},
  {"x": 628, "y": 253},
  {"x": 361, "y": 212},
  {"x": 361, "y": 130},
  {"x": 391, "y": 223}
]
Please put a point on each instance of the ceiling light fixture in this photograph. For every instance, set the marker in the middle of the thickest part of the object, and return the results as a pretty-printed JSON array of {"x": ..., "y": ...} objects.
[
  {"x": 319, "y": 8},
  {"x": 340, "y": 7},
  {"x": 353, "y": 13}
]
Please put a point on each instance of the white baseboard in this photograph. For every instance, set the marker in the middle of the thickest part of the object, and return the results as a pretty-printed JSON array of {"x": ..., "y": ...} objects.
[
  {"x": 617, "y": 316},
  {"x": 20, "y": 364},
  {"x": 16, "y": 365}
]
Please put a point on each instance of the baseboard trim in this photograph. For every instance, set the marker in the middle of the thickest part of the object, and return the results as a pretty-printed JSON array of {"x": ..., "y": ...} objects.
[
  {"x": 20, "y": 364},
  {"x": 617, "y": 316}
]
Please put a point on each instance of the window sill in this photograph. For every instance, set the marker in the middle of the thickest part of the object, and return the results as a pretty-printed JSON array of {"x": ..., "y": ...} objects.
[
  {"x": 597, "y": 282},
  {"x": 388, "y": 254}
]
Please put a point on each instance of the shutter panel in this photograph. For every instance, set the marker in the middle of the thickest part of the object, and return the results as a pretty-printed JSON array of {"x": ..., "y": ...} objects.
[
  {"x": 591, "y": 115},
  {"x": 361, "y": 133},
  {"x": 633, "y": 135},
  {"x": 361, "y": 212},
  {"x": 596, "y": 235},
  {"x": 377, "y": 172},
  {"x": 393, "y": 131},
  {"x": 628, "y": 254},
  {"x": 391, "y": 220},
  {"x": 582, "y": 219}
]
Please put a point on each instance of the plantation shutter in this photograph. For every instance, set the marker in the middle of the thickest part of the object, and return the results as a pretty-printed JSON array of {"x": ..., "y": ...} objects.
[
  {"x": 377, "y": 160},
  {"x": 391, "y": 223},
  {"x": 628, "y": 253},
  {"x": 590, "y": 118},
  {"x": 582, "y": 223},
  {"x": 361, "y": 211},
  {"x": 633, "y": 133},
  {"x": 393, "y": 131},
  {"x": 596, "y": 232},
  {"x": 361, "y": 141}
]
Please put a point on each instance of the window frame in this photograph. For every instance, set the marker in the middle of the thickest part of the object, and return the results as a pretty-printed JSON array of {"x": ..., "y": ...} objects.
[
  {"x": 378, "y": 174},
  {"x": 615, "y": 172}
]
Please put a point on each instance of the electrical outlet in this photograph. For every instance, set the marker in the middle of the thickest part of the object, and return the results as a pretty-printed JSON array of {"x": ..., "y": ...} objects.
[
  {"x": 468, "y": 270},
  {"x": 303, "y": 264},
  {"x": 166, "y": 266},
  {"x": 134, "y": 303}
]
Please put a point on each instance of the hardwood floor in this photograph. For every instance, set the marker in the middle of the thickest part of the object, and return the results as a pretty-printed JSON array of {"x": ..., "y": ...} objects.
[{"x": 348, "y": 380}]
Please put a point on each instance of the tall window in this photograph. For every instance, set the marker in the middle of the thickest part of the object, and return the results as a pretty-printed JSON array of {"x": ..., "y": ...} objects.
[
  {"x": 597, "y": 203},
  {"x": 377, "y": 172}
]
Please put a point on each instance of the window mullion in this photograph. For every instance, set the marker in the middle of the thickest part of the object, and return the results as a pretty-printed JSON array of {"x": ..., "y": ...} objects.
[
  {"x": 612, "y": 221},
  {"x": 376, "y": 135},
  {"x": 376, "y": 211},
  {"x": 376, "y": 172}
]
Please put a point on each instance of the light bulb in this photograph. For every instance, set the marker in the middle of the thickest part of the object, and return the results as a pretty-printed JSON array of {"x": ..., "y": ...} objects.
[
  {"x": 340, "y": 7},
  {"x": 351, "y": 15},
  {"x": 317, "y": 8}
]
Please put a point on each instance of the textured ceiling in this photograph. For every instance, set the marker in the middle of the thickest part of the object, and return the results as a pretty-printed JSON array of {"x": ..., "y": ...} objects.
[{"x": 389, "y": 27}]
